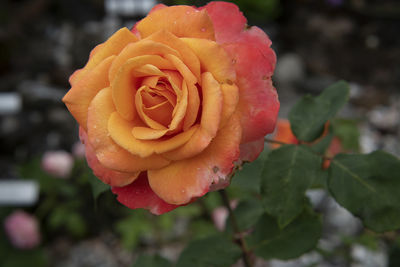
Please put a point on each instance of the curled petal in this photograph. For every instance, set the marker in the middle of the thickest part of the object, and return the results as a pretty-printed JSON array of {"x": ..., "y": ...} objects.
[
  {"x": 182, "y": 21},
  {"x": 109, "y": 154},
  {"x": 138, "y": 195},
  {"x": 250, "y": 151},
  {"x": 210, "y": 120},
  {"x": 121, "y": 132},
  {"x": 108, "y": 176},
  {"x": 112, "y": 46},
  {"x": 186, "y": 54},
  {"x": 147, "y": 52},
  {"x": 228, "y": 21},
  {"x": 79, "y": 96},
  {"x": 258, "y": 100},
  {"x": 213, "y": 58},
  {"x": 184, "y": 180}
]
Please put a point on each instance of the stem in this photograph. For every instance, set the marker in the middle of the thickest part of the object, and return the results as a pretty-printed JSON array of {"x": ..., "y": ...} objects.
[{"x": 237, "y": 232}]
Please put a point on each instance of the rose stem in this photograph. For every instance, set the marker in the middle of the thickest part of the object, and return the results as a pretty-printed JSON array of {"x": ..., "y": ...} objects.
[{"x": 237, "y": 232}]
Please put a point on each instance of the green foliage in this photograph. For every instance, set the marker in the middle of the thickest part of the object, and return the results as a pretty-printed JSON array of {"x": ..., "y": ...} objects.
[
  {"x": 368, "y": 186},
  {"x": 151, "y": 261},
  {"x": 248, "y": 177},
  {"x": 288, "y": 172},
  {"x": 132, "y": 227},
  {"x": 309, "y": 115},
  {"x": 270, "y": 241},
  {"x": 213, "y": 251},
  {"x": 247, "y": 214},
  {"x": 347, "y": 131},
  {"x": 98, "y": 187}
]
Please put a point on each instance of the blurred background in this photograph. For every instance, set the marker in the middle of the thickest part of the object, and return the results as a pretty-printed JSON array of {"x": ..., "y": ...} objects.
[{"x": 53, "y": 212}]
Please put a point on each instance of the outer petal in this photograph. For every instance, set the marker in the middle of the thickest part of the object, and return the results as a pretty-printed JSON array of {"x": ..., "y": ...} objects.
[
  {"x": 112, "y": 46},
  {"x": 258, "y": 100},
  {"x": 213, "y": 58},
  {"x": 109, "y": 154},
  {"x": 79, "y": 96},
  {"x": 182, "y": 21},
  {"x": 183, "y": 180},
  {"x": 250, "y": 151},
  {"x": 138, "y": 195},
  {"x": 187, "y": 55},
  {"x": 227, "y": 19},
  {"x": 111, "y": 177}
]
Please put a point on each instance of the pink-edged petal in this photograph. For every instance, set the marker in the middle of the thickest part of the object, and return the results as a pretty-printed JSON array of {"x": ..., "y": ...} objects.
[
  {"x": 258, "y": 99},
  {"x": 227, "y": 19},
  {"x": 184, "y": 180},
  {"x": 250, "y": 151},
  {"x": 108, "y": 176},
  {"x": 138, "y": 195}
]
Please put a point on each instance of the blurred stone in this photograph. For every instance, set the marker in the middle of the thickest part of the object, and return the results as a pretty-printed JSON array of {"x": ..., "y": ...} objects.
[
  {"x": 385, "y": 118},
  {"x": 339, "y": 221},
  {"x": 10, "y": 103},
  {"x": 369, "y": 139},
  {"x": 18, "y": 192},
  {"x": 289, "y": 69},
  {"x": 36, "y": 92},
  {"x": 129, "y": 7},
  {"x": 364, "y": 257}
]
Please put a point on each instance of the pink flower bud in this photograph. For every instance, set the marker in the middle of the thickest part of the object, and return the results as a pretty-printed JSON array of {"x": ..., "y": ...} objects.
[
  {"x": 219, "y": 216},
  {"x": 22, "y": 230},
  {"x": 58, "y": 163},
  {"x": 78, "y": 150}
]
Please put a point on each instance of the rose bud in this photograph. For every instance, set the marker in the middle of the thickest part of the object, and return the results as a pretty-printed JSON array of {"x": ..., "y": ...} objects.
[
  {"x": 168, "y": 109},
  {"x": 58, "y": 163},
  {"x": 22, "y": 230}
]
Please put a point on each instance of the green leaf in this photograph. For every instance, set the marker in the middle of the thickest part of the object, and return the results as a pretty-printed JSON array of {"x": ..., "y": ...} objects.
[
  {"x": 347, "y": 132},
  {"x": 248, "y": 177},
  {"x": 151, "y": 261},
  {"x": 368, "y": 186},
  {"x": 247, "y": 214},
  {"x": 214, "y": 251},
  {"x": 288, "y": 172},
  {"x": 269, "y": 241},
  {"x": 132, "y": 228},
  {"x": 309, "y": 115}
]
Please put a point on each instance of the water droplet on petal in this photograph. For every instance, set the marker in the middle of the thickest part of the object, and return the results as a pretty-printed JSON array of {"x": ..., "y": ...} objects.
[{"x": 203, "y": 29}]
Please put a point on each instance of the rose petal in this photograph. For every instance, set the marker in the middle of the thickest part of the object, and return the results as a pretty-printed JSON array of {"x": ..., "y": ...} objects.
[
  {"x": 183, "y": 180},
  {"x": 112, "y": 46},
  {"x": 230, "y": 95},
  {"x": 186, "y": 54},
  {"x": 79, "y": 96},
  {"x": 192, "y": 107},
  {"x": 109, "y": 154},
  {"x": 182, "y": 21},
  {"x": 147, "y": 52},
  {"x": 111, "y": 177},
  {"x": 213, "y": 58},
  {"x": 210, "y": 120},
  {"x": 250, "y": 151},
  {"x": 227, "y": 19},
  {"x": 121, "y": 132},
  {"x": 258, "y": 100},
  {"x": 138, "y": 195}
]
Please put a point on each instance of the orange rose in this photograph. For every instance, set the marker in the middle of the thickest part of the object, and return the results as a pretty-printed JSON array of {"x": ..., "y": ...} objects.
[{"x": 166, "y": 110}]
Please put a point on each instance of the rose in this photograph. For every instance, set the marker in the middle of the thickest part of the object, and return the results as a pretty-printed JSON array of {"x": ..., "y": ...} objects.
[
  {"x": 167, "y": 110},
  {"x": 22, "y": 229}
]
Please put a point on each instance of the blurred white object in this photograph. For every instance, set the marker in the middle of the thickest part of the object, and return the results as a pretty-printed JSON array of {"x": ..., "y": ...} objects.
[
  {"x": 10, "y": 103},
  {"x": 18, "y": 193},
  {"x": 129, "y": 7},
  {"x": 365, "y": 257},
  {"x": 58, "y": 163}
]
